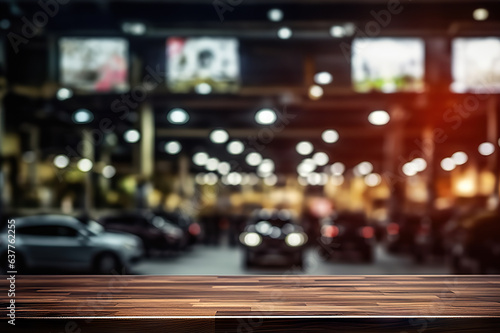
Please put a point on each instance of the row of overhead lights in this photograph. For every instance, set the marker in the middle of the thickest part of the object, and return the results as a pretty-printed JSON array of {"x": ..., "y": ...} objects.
[
  {"x": 274, "y": 15},
  {"x": 84, "y": 165}
]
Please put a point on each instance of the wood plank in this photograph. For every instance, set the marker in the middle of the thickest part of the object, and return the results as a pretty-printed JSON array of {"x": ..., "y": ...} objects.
[{"x": 217, "y": 301}]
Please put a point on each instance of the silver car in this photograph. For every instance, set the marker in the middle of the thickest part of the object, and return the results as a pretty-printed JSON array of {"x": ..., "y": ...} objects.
[{"x": 65, "y": 243}]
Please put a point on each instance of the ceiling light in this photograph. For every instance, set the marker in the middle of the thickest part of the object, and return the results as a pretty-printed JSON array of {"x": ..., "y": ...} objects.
[
  {"x": 284, "y": 33},
  {"x": 330, "y": 136},
  {"x": 82, "y": 116},
  {"x": 178, "y": 116},
  {"x": 379, "y": 117},
  {"x": 200, "y": 158},
  {"x": 132, "y": 136},
  {"x": 275, "y": 15},
  {"x": 219, "y": 136},
  {"x": 265, "y": 117},
  {"x": 323, "y": 78},
  {"x": 173, "y": 147},
  {"x": 85, "y": 165},
  {"x": 235, "y": 147},
  {"x": 253, "y": 159},
  {"x": 61, "y": 161},
  {"x": 304, "y": 148}
]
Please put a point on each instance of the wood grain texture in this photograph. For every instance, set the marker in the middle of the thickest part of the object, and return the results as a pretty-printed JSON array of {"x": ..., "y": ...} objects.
[{"x": 223, "y": 302}]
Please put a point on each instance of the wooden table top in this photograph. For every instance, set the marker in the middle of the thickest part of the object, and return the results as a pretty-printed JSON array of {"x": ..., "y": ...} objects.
[{"x": 221, "y": 296}]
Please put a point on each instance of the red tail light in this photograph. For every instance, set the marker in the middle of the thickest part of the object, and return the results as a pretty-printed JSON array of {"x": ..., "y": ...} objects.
[
  {"x": 194, "y": 229},
  {"x": 393, "y": 229},
  {"x": 330, "y": 231},
  {"x": 367, "y": 232}
]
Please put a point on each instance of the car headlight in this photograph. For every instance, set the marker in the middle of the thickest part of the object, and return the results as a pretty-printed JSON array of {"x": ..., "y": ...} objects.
[
  {"x": 295, "y": 239},
  {"x": 251, "y": 239}
]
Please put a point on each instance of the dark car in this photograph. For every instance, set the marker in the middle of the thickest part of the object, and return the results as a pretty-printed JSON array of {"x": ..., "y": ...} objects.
[
  {"x": 190, "y": 228},
  {"x": 474, "y": 245},
  {"x": 155, "y": 232},
  {"x": 429, "y": 237},
  {"x": 271, "y": 234},
  {"x": 347, "y": 233},
  {"x": 401, "y": 235}
]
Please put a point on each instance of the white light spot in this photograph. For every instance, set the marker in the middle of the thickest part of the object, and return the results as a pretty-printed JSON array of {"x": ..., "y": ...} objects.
[
  {"x": 132, "y": 136},
  {"x": 480, "y": 14},
  {"x": 200, "y": 158},
  {"x": 173, "y": 147},
  {"x": 410, "y": 169},
  {"x": 364, "y": 168},
  {"x": 460, "y": 158},
  {"x": 219, "y": 136},
  {"x": 266, "y": 166},
  {"x": 203, "y": 88},
  {"x": 275, "y": 15},
  {"x": 265, "y": 117},
  {"x": 419, "y": 163},
  {"x": 285, "y": 33},
  {"x": 304, "y": 148},
  {"x": 212, "y": 164},
  {"x": 271, "y": 180},
  {"x": 486, "y": 148},
  {"x": 373, "y": 179},
  {"x": 64, "y": 94},
  {"x": 224, "y": 168},
  {"x": 85, "y": 165},
  {"x": 82, "y": 116},
  {"x": 330, "y": 136},
  {"x": 235, "y": 147},
  {"x": 447, "y": 164},
  {"x": 379, "y": 117},
  {"x": 315, "y": 92},
  {"x": 320, "y": 158},
  {"x": 210, "y": 178},
  {"x": 323, "y": 78},
  {"x": 337, "y": 168},
  {"x": 338, "y": 31},
  {"x": 234, "y": 178},
  {"x": 61, "y": 161},
  {"x": 253, "y": 159},
  {"x": 108, "y": 171},
  {"x": 178, "y": 116}
]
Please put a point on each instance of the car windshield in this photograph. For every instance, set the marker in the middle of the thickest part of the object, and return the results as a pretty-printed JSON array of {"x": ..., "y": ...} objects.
[{"x": 95, "y": 227}]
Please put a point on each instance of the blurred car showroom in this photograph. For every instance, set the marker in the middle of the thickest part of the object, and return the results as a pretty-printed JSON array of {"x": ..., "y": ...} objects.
[{"x": 250, "y": 137}]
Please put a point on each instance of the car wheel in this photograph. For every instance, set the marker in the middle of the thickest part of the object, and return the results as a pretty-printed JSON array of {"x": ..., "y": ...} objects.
[
  {"x": 107, "y": 263},
  {"x": 248, "y": 260},
  {"x": 298, "y": 260}
]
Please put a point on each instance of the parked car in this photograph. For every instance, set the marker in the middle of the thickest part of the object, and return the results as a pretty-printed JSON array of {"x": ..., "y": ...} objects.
[
  {"x": 401, "y": 234},
  {"x": 66, "y": 243},
  {"x": 191, "y": 229},
  {"x": 347, "y": 233},
  {"x": 474, "y": 245},
  {"x": 271, "y": 234},
  {"x": 429, "y": 236},
  {"x": 155, "y": 232}
]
